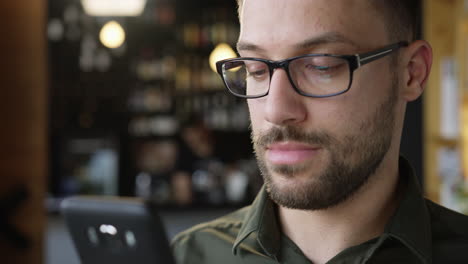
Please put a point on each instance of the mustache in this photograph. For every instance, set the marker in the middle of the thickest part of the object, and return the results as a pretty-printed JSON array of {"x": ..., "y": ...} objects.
[{"x": 289, "y": 133}]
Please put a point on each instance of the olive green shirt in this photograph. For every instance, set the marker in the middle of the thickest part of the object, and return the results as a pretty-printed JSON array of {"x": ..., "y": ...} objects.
[{"x": 420, "y": 231}]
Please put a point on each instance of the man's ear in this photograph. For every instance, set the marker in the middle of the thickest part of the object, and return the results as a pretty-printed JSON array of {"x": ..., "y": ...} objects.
[{"x": 417, "y": 62}]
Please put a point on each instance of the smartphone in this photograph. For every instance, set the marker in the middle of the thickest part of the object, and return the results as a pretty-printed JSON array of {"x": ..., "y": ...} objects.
[{"x": 116, "y": 230}]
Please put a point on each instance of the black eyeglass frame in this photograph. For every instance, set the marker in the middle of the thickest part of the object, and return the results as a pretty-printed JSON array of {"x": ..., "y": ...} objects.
[{"x": 354, "y": 61}]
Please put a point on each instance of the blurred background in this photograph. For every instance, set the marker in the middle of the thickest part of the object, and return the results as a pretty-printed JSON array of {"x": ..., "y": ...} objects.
[
  {"x": 120, "y": 97},
  {"x": 136, "y": 109}
]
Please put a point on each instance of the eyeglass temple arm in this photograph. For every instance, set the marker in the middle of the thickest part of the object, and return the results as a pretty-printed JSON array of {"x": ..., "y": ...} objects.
[{"x": 365, "y": 58}]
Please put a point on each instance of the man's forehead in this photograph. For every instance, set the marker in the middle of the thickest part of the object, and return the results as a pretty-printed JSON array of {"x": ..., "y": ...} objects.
[
  {"x": 283, "y": 3},
  {"x": 305, "y": 44},
  {"x": 308, "y": 22}
]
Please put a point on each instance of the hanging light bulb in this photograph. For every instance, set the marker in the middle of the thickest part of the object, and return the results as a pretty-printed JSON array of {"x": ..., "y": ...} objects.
[
  {"x": 113, "y": 7},
  {"x": 112, "y": 35},
  {"x": 220, "y": 52}
]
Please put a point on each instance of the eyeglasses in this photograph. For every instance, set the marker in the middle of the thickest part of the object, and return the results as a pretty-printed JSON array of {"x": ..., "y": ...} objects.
[{"x": 311, "y": 75}]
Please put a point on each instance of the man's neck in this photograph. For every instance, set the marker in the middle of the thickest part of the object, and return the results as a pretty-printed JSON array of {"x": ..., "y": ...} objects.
[{"x": 323, "y": 234}]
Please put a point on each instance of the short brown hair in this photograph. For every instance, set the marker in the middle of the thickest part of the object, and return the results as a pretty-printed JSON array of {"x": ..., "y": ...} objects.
[{"x": 403, "y": 17}]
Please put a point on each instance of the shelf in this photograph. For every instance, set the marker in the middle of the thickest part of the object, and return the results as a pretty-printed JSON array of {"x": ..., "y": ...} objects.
[{"x": 445, "y": 142}]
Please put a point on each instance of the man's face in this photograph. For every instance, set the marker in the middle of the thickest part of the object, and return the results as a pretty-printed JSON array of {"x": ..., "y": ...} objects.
[{"x": 314, "y": 153}]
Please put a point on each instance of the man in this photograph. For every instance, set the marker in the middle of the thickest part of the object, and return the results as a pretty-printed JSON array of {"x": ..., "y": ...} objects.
[{"x": 326, "y": 131}]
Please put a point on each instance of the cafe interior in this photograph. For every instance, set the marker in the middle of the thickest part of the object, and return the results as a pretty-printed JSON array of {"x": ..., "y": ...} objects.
[{"x": 121, "y": 98}]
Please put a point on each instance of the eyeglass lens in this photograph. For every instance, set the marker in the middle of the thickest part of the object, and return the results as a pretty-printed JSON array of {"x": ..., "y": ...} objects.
[{"x": 312, "y": 75}]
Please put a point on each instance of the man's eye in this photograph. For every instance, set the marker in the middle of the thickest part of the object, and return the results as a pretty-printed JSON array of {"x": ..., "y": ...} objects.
[
  {"x": 325, "y": 69},
  {"x": 318, "y": 67},
  {"x": 257, "y": 73}
]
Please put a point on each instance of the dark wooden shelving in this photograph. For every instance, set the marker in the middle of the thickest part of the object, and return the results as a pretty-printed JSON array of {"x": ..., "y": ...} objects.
[{"x": 94, "y": 103}]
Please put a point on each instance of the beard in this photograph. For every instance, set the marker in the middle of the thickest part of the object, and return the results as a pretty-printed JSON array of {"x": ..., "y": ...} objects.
[{"x": 352, "y": 160}]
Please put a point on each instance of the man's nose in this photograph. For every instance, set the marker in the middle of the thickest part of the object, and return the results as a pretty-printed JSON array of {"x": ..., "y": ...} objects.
[{"x": 284, "y": 106}]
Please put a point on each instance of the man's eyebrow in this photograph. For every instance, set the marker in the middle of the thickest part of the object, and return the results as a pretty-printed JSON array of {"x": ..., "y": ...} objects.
[
  {"x": 327, "y": 38},
  {"x": 246, "y": 46}
]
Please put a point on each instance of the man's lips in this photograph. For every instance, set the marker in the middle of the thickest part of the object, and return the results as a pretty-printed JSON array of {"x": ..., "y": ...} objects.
[{"x": 289, "y": 153}]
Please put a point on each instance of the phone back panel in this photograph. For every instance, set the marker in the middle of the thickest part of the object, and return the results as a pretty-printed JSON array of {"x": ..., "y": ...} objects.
[{"x": 116, "y": 230}]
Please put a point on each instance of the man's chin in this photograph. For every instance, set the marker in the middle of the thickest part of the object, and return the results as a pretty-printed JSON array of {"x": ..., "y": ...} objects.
[
  {"x": 293, "y": 173},
  {"x": 293, "y": 194},
  {"x": 290, "y": 183}
]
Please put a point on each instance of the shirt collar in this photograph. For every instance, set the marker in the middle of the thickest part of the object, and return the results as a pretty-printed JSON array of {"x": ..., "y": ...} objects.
[
  {"x": 410, "y": 224},
  {"x": 261, "y": 219}
]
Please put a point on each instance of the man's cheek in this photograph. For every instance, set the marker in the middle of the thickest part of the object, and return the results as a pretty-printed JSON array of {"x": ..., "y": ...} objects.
[{"x": 256, "y": 114}]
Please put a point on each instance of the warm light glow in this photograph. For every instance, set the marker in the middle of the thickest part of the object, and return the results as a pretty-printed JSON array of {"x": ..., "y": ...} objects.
[
  {"x": 464, "y": 136},
  {"x": 112, "y": 35},
  {"x": 113, "y": 7},
  {"x": 221, "y": 51}
]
